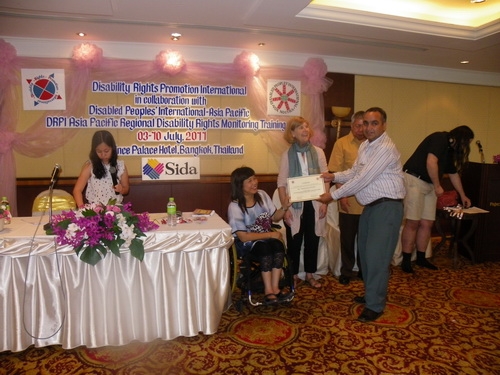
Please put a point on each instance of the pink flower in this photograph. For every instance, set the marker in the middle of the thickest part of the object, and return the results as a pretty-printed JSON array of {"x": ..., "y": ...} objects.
[
  {"x": 315, "y": 70},
  {"x": 87, "y": 55},
  {"x": 247, "y": 64},
  {"x": 4, "y": 213},
  {"x": 170, "y": 62},
  {"x": 8, "y": 55}
]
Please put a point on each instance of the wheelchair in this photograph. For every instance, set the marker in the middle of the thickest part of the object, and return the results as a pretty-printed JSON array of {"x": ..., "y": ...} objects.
[{"x": 246, "y": 276}]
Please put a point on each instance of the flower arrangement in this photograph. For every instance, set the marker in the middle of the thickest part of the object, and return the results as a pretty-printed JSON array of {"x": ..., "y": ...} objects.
[
  {"x": 4, "y": 212},
  {"x": 95, "y": 229}
]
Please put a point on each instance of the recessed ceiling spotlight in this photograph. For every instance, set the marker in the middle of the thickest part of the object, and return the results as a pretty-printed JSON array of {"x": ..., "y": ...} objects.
[
  {"x": 175, "y": 36},
  {"x": 261, "y": 44},
  {"x": 81, "y": 34},
  {"x": 477, "y": 1},
  {"x": 464, "y": 62}
]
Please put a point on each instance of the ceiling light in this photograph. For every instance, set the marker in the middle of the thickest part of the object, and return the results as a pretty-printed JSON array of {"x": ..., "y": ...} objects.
[
  {"x": 175, "y": 36},
  {"x": 477, "y": 1},
  {"x": 464, "y": 62},
  {"x": 81, "y": 34},
  {"x": 261, "y": 44}
]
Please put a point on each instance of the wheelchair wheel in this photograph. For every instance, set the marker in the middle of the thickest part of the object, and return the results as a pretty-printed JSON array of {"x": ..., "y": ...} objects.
[
  {"x": 233, "y": 267},
  {"x": 252, "y": 287}
]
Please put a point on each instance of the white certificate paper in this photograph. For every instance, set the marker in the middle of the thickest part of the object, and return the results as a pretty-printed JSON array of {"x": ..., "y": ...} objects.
[{"x": 305, "y": 188}]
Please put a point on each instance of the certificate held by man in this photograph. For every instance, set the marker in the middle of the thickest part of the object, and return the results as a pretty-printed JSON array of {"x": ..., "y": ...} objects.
[{"x": 305, "y": 188}]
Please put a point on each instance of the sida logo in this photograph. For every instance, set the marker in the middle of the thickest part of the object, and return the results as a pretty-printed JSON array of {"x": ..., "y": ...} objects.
[
  {"x": 153, "y": 169},
  {"x": 174, "y": 169},
  {"x": 171, "y": 168},
  {"x": 284, "y": 98}
]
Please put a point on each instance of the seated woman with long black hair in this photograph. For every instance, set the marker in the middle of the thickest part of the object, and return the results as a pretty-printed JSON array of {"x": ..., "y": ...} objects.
[{"x": 251, "y": 214}]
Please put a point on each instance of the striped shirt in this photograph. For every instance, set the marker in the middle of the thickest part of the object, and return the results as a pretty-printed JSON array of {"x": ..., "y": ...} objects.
[{"x": 376, "y": 173}]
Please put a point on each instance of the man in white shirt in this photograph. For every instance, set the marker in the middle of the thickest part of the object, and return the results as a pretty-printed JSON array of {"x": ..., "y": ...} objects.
[{"x": 377, "y": 181}]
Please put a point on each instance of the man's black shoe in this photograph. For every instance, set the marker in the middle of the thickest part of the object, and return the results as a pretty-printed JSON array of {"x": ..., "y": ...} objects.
[
  {"x": 426, "y": 264},
  {"x": 344, "y": 280},
  {"x": 368, "y": 315},
  {"x": 406, "y": 267},
  {"x": 359, "y": 299}
]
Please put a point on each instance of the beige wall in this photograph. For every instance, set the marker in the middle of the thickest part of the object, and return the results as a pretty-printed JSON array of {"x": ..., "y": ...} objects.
[
  {"x": 418, "y": 108},
  {"x": 414, "y": 108}
]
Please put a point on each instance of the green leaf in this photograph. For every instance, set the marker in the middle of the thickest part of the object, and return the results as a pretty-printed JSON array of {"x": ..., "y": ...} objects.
[
  {"x": 78, "y": 249},
  {"x": 111, "y": 202},
  {"x": 139, "y": 233},
  {"x": 137, "y": 249},
  {"x": 114, "y": 246},
  {"x": 103, "y": 249},
  {"x": 89, "y": 213},
  {"x": 91, "y": 256},
  {"x": 64, "y": 223}
]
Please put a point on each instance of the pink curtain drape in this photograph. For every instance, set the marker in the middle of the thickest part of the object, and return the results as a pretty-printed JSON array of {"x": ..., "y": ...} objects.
[{"x": 88, "y": 63}]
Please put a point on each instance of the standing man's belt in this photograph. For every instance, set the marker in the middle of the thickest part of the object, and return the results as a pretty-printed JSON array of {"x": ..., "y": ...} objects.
[{"x": 380, "y": 200}]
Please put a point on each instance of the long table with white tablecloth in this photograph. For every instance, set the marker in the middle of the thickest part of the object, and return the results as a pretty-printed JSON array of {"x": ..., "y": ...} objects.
[{"x": 49, "y": 296}]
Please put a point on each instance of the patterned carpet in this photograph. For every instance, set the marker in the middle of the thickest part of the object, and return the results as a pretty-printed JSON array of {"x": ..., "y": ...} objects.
[{"x": 436, "y": 322}]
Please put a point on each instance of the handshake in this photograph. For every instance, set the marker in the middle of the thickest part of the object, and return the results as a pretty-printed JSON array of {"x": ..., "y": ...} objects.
[{"x": 326, "y": 197}]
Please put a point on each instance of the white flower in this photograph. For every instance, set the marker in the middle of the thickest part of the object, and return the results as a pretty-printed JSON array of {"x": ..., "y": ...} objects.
[
  {"x": 71, "y": 231},
  {"x": 127, "y": 234}
]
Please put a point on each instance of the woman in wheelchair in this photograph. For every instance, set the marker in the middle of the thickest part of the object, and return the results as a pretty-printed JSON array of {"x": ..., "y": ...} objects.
[{"x": 251, "y": 214}]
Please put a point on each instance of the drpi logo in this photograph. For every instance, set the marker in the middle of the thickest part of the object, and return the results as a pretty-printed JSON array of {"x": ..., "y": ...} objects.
[
  {"x": 43, "y": 89},
  {"x": 284, "y": 97}
]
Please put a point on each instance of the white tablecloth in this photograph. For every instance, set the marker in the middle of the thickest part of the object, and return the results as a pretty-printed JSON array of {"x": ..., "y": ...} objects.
[{"x": 50, "y": 297}]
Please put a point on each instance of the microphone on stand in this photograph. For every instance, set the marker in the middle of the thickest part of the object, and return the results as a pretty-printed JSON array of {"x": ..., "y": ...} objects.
[
  {"x": 55, "y": 175},
  {"x": 478, "y": 143},
  {"x": 53, "y": 180},
  {"x": 114, "y": 176}
]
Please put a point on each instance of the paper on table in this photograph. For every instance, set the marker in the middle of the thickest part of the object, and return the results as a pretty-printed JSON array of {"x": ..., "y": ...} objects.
[
  {"x": 203, "y": 212},
  {"x": 470, "y": 210}
]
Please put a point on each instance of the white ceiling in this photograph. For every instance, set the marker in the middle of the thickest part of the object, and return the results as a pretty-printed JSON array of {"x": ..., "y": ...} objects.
[{"x": 283, "y": 25}]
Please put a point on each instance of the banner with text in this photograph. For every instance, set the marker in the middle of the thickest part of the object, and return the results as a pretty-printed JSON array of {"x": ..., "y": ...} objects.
[{"x": 173, "y": 119}]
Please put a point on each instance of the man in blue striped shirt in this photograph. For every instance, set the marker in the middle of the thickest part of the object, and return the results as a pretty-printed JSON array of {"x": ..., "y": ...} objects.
[{"x": 377, "y": 181}]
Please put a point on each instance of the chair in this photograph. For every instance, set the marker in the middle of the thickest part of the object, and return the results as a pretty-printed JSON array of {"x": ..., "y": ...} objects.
[
  {"x": 61, "y": 201},
  {"x": 245, "y": 274}
]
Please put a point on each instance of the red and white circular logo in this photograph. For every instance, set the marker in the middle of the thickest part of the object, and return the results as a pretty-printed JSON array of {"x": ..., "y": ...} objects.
[
  {"x": 284, "y": 97},
  {"x": 43, "y": 89}
]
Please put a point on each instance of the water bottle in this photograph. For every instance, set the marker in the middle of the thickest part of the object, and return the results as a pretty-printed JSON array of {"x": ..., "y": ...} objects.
[
  {"x": 171, "y": 212},
  {"x": 6, "y": 206}
]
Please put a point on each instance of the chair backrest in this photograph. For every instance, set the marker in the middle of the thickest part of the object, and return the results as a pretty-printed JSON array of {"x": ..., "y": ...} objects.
[
  {"x": 61, "y": 201},
  {"x": 277, "y": 203}
]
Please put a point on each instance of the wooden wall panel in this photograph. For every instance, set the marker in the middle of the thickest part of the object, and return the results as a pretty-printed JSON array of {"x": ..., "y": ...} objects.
[{"x": 211, "y": 192}]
